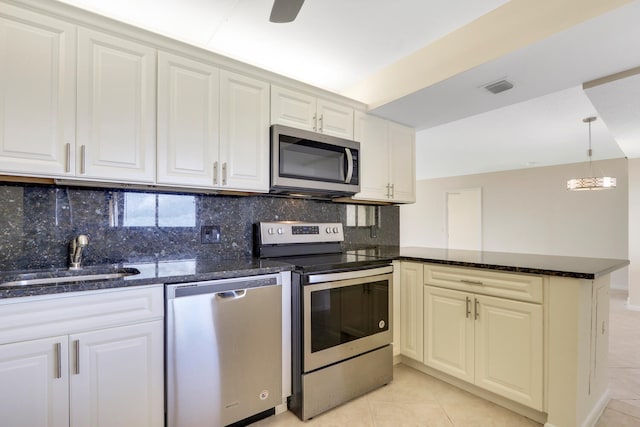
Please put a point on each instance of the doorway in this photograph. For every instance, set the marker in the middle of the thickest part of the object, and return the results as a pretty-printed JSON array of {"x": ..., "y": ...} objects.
[{"x": 464, "y": 219}]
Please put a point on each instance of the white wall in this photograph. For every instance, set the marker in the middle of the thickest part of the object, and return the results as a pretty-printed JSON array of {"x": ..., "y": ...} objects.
[
  {"x": 530, "y": 211},
  {"x": 634, "y": 233}
]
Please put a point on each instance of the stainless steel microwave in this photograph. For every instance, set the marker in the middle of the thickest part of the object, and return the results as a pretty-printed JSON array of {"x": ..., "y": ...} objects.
[{"x": 313, "y": 164}]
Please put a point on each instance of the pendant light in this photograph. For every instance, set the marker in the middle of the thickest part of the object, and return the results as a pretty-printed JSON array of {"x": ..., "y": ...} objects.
[{"x": 591, "y": 182}]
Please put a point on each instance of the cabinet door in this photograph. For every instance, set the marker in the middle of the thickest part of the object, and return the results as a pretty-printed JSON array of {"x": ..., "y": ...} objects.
[
  {"x": 116, "y": 108},
  {"x": 448, "y": 332},
  {"x": 244, "y": 133},
  {"x": 37, "y": 93},
  {"x": 334, "y": 119},
  {"x": 411, "y": 310},
  {"x": 117, "y": 377},
  {"x": 403, "y": 163},
  {"x": 34, "y": 383},
  {"x": 371, "y": 132},
  {"x": 600, "y": 338},
  {"x": 291, "y": 108},
  {"x": 188, "y": 121},
  {"x": 508, "y": 348}
]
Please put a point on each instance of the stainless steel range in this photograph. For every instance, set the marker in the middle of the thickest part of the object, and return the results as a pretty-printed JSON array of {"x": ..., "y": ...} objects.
[{"x": 341, "y": 323}]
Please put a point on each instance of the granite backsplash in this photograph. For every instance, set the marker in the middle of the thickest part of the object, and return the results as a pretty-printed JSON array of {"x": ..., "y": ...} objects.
[{"x": 37, "y": 222}]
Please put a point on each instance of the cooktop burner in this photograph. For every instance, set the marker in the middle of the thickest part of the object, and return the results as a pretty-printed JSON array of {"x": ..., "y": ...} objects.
[{"x": 333, "y": 262}]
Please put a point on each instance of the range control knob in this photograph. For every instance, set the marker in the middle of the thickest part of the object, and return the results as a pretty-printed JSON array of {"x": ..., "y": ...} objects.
[
  {"x": 280, "y": 231},
  {"x": 270, "y": 231},
  {"x": 328, "y": 230},
  {"x": 335, "y": 229}
]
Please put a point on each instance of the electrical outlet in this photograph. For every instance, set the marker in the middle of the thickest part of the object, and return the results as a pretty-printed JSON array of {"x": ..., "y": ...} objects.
[{"x": 210, "y": 234}]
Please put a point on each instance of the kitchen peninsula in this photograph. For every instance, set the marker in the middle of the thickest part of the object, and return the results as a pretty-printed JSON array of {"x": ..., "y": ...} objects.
[{"x": 526, "y": 331}]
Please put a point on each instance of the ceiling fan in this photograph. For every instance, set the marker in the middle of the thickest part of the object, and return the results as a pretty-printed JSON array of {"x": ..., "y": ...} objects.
[{"x": 285, "y": 10}]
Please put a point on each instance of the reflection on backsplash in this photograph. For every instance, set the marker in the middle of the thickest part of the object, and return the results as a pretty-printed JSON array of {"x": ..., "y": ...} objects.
[
  {"x": 153, "y": 210},
  {"x": 37, "y": 223}
]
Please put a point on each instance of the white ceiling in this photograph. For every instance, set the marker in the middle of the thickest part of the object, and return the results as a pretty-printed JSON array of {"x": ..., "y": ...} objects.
[{"x": 334, "y": 44}]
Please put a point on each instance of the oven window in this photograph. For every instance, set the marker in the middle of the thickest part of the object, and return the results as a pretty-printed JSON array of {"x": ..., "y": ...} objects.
[
  {"x": 340, "y": 315},
  {"x": 304, "y": 159}
]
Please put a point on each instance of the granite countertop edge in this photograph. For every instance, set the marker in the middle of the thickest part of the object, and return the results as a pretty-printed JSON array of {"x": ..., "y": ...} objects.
[
  {"x": 225, "y": 272},
  {"x": 547, "y": 265}
]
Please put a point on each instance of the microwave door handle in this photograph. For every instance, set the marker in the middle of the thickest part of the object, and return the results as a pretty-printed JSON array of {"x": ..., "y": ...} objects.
[{"x": 349, "y": 173}]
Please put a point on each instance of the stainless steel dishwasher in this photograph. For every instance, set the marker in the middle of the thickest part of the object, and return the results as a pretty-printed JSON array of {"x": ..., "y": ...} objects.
[{"x": 224, "y": 350}]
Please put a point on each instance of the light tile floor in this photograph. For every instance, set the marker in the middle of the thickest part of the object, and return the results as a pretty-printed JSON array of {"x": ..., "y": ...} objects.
[{"x": 416, "y": 399}]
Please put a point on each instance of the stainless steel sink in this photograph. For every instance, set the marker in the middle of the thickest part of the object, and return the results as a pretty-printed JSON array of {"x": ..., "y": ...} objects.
[{"x": 67, "y": 276}]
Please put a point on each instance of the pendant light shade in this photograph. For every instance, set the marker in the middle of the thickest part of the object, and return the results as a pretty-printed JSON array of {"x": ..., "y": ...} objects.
[{"x": 591, "y": 182}]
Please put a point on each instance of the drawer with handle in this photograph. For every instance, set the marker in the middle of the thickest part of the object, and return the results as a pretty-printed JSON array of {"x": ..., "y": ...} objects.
[{"x": 520, "y": 287}]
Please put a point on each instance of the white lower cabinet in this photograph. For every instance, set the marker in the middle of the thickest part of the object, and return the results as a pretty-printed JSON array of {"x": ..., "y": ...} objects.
[
  {"x": 411, "y": 311},
  {"x": 494, "y": 343},
  {"x": 34, "y": 383},
  {"x": 98, "y": 372},
  {"x": 116, "y": 377},
  {"x": 448, "y": 332}
]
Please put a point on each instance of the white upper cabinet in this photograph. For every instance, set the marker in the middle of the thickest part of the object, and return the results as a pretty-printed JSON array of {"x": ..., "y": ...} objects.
[
  {"x": 213, "y": 127},
  {"x": 244, "y": 133},
  {"x": 116, "y": 108},
  {"x": 188, "y": 121},
  {"x": 371, "y": 132},
  {"x": 37, "y": 94},
  {"x": 303, "y": 111},
  {"x": 293, "y": 109},
  {"x": 402, "y": 155},
  {"x": 387, "y": 153}
]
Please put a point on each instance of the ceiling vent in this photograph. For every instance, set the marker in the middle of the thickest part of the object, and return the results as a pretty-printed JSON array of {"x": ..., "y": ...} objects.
[{"x": 499, "y": 86}]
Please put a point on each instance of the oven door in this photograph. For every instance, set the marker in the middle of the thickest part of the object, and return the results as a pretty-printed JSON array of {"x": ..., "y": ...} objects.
[{"x": 345, "y": 314}]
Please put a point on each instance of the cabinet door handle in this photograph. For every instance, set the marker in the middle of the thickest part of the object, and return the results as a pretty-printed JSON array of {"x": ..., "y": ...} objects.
[
  {"x": 58, "y": 352},
  {"x": 224, "y": 173},
  {"x": 468, "y": 306},
  {"x": 76, "y": 369},
  {"x": 321, "y": 122},
  {"x": 477, "y": 312},
  {"x": 388, "y": 190},
  {"x": 215, "y": 173},
  {"x": 82, "y": 159},
  {"x": 392, "y": 190},
  {"x": 67, "y": 157},
  {"x": 471, "y": 282},
  {"x": 315, "y": 122}
]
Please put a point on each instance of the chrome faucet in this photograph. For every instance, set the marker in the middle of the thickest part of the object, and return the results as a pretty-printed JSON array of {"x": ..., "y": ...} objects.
[{"x": 75, "y": 251}]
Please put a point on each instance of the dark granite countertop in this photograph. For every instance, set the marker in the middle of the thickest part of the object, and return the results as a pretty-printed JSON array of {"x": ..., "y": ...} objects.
[
  {"x": 549, "y": 265},
  {"x": 151, "y": 272},
  {"x": 195, "y": 270}
]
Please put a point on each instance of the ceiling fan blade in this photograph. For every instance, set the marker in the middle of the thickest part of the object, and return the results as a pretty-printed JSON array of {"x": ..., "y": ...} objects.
[{"x": 285, "y": 10}]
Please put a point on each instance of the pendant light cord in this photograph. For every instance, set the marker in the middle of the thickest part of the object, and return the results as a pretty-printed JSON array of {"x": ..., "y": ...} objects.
[{"x": 590, "y": 151}]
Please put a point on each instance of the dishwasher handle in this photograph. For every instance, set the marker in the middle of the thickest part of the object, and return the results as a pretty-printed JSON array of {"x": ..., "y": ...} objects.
[
  {"x": 221, "y": 288},
  {"x": 231, "y": 295}
]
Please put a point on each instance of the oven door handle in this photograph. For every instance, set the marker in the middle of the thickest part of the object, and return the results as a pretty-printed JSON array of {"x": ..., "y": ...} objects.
[
  {"x": 346, "y": 275},
  {"x": 349, "y": 173}
]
